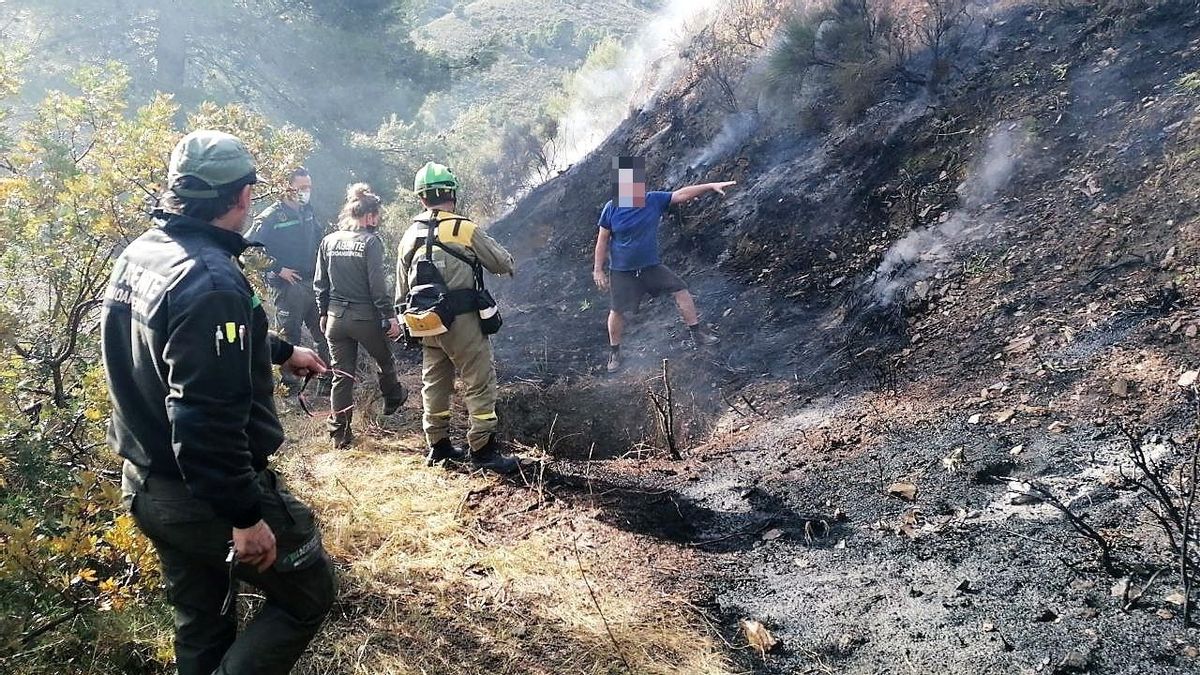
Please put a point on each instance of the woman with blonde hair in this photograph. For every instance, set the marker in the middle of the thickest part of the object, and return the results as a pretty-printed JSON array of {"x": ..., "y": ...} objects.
[{"x": 356, "y": 308}]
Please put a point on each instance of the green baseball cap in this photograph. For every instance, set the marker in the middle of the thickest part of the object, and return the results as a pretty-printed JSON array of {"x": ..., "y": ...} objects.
[{"x": 215, "y": 157}]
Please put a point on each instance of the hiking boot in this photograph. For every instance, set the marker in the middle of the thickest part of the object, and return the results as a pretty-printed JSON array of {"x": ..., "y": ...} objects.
[
  {"x": 703, "y": 337},
  {"x": 390, "y": 406},
  {"x": 442, "y": 451},
  {"x": 614, "y": 361},
  {"x": 491, "y": 458}
]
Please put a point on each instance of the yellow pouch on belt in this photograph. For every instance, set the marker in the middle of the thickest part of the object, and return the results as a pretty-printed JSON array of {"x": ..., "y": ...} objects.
[{"x": 424, "y": 324}]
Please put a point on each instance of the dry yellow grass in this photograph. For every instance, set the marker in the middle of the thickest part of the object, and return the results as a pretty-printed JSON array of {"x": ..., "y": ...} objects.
[{"x": 449, "y": 572}]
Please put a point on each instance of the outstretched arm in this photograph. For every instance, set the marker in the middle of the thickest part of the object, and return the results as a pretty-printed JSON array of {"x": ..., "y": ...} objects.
[
  {"x": 687, "y": 194},
  {"x": 598, "y": 275}
]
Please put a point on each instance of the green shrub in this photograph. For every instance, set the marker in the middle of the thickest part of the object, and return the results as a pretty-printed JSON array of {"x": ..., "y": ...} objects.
[{"x": 847, "y": 52}]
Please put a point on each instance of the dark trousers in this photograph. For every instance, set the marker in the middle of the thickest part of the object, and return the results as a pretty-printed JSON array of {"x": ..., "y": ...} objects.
[
  {"x": 296, "y": 308},
  {"x": 193, "y": 544},
  {"x": 345, "y": 335}
]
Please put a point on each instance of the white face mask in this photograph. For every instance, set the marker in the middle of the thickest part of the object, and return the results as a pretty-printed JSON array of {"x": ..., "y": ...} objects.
[{"x": 303, "y": 196}]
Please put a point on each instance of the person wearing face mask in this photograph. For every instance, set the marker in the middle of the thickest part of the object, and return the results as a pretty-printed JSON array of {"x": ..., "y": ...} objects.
[
  {"x": 289, "y": 231},
  {"x": 355, "y": 307}
]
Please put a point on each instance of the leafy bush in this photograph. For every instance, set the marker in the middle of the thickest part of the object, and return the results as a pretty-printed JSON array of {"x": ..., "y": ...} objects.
[{"x": 849, "y": 52}]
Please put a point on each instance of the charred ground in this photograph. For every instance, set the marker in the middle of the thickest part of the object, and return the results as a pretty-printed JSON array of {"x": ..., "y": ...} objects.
[{"x": 1060, "y": 311}]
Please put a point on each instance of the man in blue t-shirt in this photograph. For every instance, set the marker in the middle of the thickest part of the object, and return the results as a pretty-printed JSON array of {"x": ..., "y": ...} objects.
[{"x": 628, "y": 240}]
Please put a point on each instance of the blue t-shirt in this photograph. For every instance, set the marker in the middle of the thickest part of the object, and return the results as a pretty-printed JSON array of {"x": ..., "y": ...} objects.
[{"x": 634, "y": 232}]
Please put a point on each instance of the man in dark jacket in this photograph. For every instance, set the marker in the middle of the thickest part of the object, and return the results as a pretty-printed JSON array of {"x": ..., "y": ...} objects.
[
  {"x": 188, "y": 362},
  {"x": 289, "y": 231}
]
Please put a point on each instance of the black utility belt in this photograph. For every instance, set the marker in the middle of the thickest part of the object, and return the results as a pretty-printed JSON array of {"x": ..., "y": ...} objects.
[
  {"x": 463, "y": 301},
  {"x": 136, "y": 478},
  {"x": 343, "y": 307}
]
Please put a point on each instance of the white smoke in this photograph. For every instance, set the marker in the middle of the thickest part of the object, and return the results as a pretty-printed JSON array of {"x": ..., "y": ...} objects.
[
  {"x": 923, "y": 252},
  {"x": 604, "y": 99},
  {"x": 736, "y": 128}
]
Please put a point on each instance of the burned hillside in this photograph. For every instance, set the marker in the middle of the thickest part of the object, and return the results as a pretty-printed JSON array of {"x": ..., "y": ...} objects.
[{"x": 950, "y": 323}]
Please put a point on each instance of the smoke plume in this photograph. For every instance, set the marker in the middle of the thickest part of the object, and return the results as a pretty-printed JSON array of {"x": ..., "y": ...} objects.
[
  {"x": 923, "y": 252},
  {"x": 734, "y": 131},
  {"x": 603, "y": 99}
]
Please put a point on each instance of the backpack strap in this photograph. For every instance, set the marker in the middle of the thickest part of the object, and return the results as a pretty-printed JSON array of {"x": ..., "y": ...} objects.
[
  {"x": 431, "y": 240},
  {"x": 430, "y": 236}
]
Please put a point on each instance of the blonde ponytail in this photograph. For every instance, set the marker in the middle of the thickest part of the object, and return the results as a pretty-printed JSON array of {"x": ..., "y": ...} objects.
[{"x": 360, "y": 202}]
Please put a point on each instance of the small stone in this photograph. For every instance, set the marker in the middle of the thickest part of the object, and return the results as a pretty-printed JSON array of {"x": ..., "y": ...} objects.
[
  {"x": 1046, "y": 616},
  {"x": 1025, "y": 499},
  {"x": 954, "y": 461},
  {"x": 903, "y": 489},
  {"x": 1020, "y": 345},
  {"x": 988, "y": 627},
  {"x": 1074, "y": 662},
  {"x": 1120, "y": 588},
  {"x": 1189, "y": 378},
  {"x": 1016, "y": 450},
  {"x": 1190, "y": 651},
  {"x": 975, "y": 419},
  {"x": 1165, "y": 614},
  {"x": 1120, "y": 387}
]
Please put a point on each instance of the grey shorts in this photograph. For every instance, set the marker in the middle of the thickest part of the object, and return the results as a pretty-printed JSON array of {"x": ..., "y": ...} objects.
[{"x": 628, "y": 288}]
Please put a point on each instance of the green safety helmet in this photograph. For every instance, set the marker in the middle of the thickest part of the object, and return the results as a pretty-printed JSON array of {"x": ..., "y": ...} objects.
[{"x": 434, "y": 176}]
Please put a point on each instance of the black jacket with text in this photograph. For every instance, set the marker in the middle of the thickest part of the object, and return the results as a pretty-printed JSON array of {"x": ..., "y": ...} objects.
[{"x": 187, "y": 357}]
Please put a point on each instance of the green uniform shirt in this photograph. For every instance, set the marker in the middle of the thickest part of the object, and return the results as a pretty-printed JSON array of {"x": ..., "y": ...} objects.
[{"x": 350, "y": 277}]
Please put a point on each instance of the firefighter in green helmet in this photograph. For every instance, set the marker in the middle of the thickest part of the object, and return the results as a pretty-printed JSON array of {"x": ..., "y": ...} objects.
[{"x": 460, "y": 251}]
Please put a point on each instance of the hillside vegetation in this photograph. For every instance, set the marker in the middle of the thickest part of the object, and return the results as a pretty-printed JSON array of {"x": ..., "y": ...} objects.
[{"x": 952, "y": 424}]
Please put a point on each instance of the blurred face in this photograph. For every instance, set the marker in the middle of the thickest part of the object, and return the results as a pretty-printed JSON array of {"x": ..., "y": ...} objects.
[
  {"x": 301, "y": 189},
  {"x": 630, "y": 182}
]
